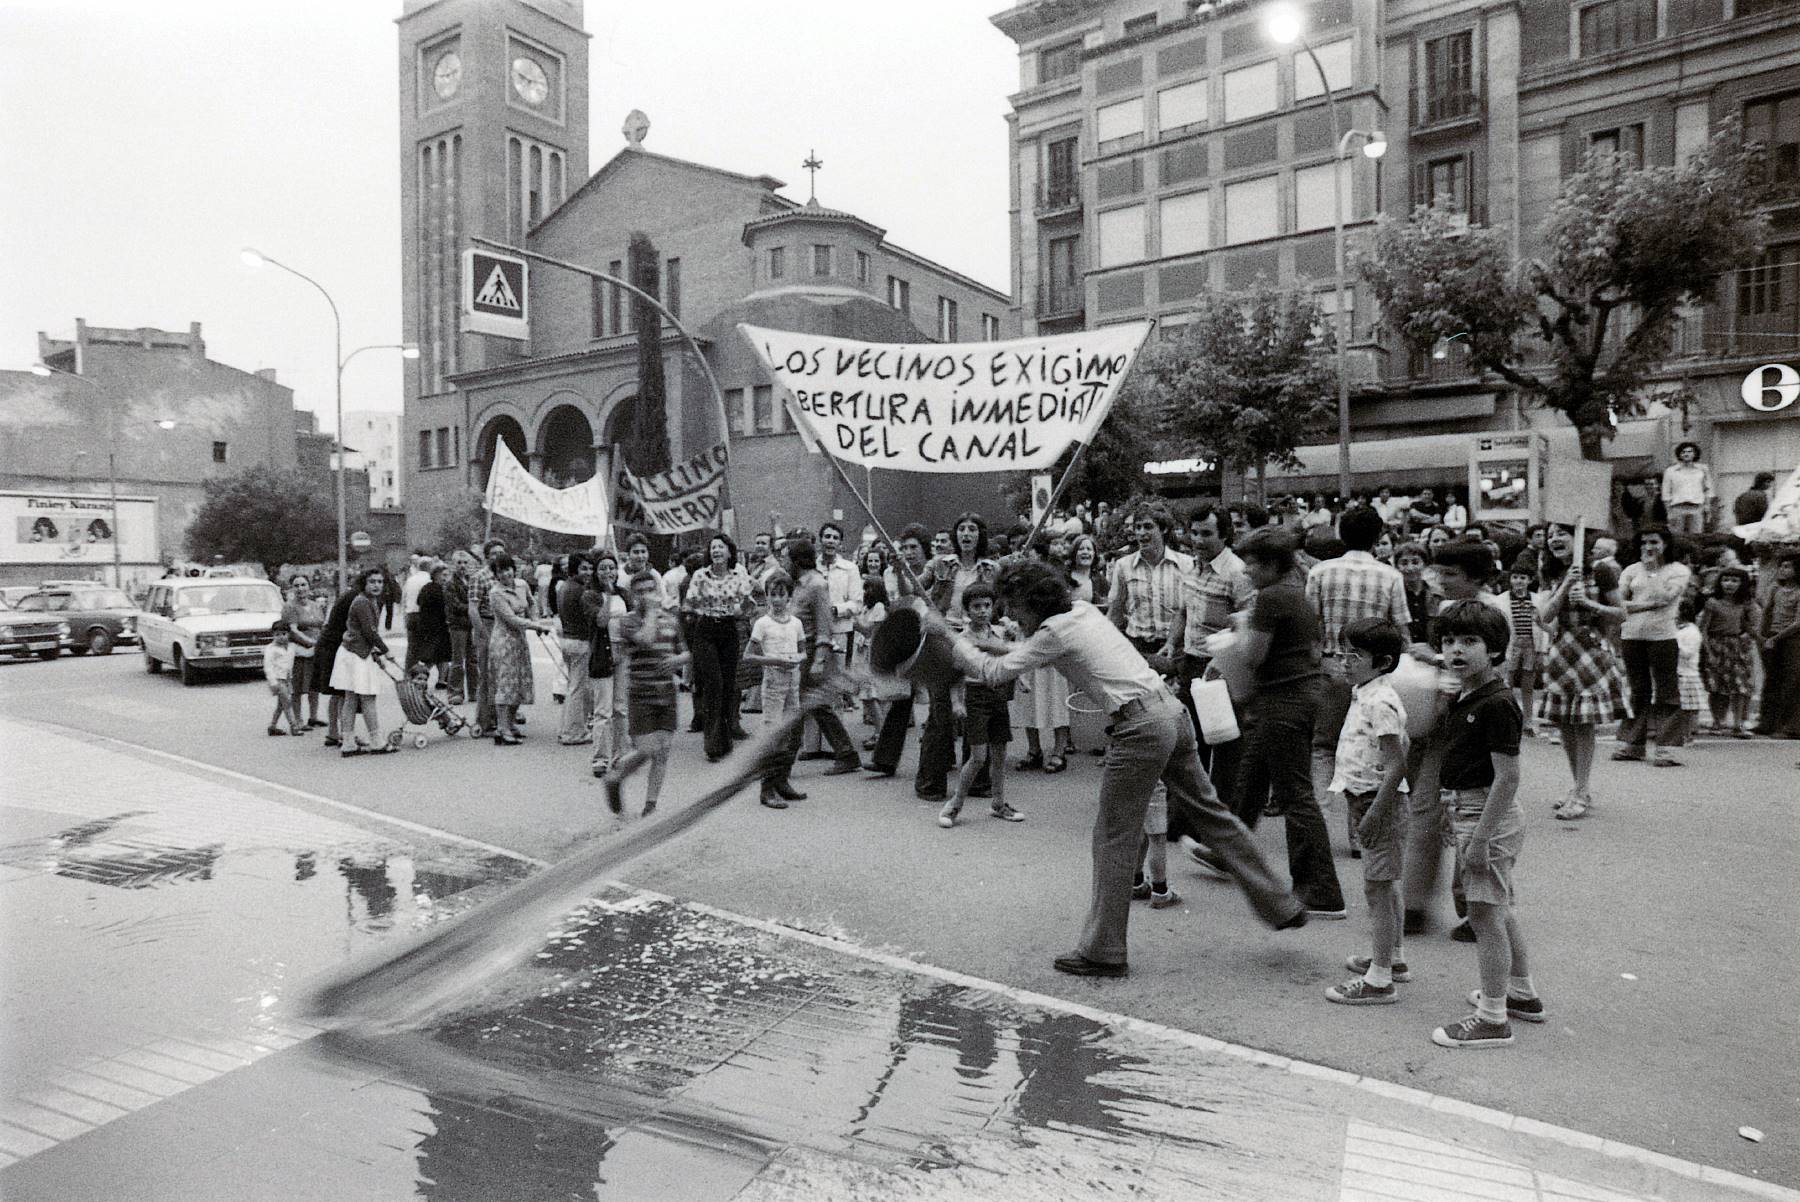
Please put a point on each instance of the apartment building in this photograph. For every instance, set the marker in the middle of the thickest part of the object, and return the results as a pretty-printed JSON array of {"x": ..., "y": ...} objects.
[
  {"x": 375, "y": 434},
  {"x": 1161, "y": 150}
]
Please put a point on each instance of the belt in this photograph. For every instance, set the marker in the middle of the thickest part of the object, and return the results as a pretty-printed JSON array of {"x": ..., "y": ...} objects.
[{"x": 1138, "y": 705}]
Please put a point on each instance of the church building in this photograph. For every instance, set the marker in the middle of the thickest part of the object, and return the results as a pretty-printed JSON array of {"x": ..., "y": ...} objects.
[{"x": 494, "y": 144}]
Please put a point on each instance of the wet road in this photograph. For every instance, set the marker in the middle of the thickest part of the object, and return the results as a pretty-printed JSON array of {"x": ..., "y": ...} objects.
[{"x": 158, "y": 916}]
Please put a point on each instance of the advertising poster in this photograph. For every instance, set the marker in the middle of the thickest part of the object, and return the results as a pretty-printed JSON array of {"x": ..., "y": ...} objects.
[{"x": 61, "y": 527}]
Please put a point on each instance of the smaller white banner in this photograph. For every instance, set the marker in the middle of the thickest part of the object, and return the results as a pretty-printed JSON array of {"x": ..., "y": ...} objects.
[
  {"x": 514, "y": 493},
  {"x": 689, "y": 496},
  {"x": 950, "y": 407}
]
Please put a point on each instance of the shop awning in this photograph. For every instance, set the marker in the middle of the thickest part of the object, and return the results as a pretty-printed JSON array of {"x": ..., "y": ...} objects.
[{"x": 1443, "y": 459}]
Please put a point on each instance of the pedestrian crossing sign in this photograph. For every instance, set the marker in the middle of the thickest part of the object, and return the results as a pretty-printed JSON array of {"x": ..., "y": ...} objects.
[{"x": 495, "y": 295}]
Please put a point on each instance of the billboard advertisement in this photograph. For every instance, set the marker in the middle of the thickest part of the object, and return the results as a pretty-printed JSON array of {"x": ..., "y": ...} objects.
[{"x": 69, "y": 528}]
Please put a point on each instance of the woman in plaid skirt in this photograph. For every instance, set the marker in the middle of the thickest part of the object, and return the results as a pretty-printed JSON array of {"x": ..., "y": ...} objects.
[{"x": 1584, "y": 683}]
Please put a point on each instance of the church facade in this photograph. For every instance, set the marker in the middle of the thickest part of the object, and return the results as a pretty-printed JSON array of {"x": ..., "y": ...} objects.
[{"x": 494, "y": 138}]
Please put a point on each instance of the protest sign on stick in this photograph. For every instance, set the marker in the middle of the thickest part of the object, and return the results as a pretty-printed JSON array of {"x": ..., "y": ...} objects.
[
  {"x": 689, "y": 496},
  {"x": 950, "y": 407}
]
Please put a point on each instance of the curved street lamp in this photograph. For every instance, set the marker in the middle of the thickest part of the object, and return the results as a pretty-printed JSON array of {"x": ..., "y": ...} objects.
[
  {"x": 1284, "y": 25},
  {"x": 255, "y": 258}
]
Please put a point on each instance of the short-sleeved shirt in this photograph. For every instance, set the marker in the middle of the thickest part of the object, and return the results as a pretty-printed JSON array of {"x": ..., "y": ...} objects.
[
  {"x": 1355, "y": 585},
  {"x": 1638, "y": 583},
  {"x": 1375, "y": 710},
  {"x": 784, "y": 637},
  {"x": 713, "y": 596},
  {"x": 1480, "y": 725},
  {"x": 1213, "y": 591},
  {"x": 307, "y": 618},
  {"x": 1152, "y": 592},
  {"x": 1281, "y": 611}
]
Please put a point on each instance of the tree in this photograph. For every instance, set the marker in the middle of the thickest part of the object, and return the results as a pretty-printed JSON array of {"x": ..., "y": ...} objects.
[
  {"x": 1247, "y": 382},
  {"x": 1625, "y": 249},
  {"x": 465, "y": 523},
  {"x": 261, "y": 515},
  {"x": 647, "y": 447},
  {"x": 1113, "y": 467}
]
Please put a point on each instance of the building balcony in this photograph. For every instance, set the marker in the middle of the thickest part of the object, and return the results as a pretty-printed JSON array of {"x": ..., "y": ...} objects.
[
  {"x": 1061, "y": 302},
  {"x": 1059, "y": 198},
  {"x": 1445, "y": 109}
]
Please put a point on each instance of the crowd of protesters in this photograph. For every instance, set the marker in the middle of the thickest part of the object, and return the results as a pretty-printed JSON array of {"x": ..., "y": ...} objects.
[{"x": 1317, "y": 603}]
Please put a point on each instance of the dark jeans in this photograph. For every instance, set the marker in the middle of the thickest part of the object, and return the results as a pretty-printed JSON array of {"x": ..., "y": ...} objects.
[
  {"x": 831, "y": 727},
  {"x": 1650, "y": 670},
  {"x": 1220, "y": 762},
  {"x": 462, "y": 679},
  {"x": 412, "y": 639},
  {"x": 936, "y": 740},
  {"x": 715, "y": 648},
  {"x": 1277, "y": 762}
]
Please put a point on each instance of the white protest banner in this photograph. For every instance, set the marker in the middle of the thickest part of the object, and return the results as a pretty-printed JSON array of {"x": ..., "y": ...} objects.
[
  {"x": 950, "y": 407},
  {"x": 689, "y": 496},
  {"x": 513, "y": 492}
]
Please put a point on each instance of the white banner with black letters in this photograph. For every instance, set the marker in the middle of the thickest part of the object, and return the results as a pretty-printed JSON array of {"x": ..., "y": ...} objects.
[
  {"x": 950, "y": 407},
  {"x": 515, "y": 493}
]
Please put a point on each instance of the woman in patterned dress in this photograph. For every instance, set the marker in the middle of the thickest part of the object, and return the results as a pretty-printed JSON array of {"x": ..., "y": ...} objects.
[
  {"x": 1584, "y": 682},
  {"x": 509, "y": 655},
  {"x": 1729, "y": 623}
]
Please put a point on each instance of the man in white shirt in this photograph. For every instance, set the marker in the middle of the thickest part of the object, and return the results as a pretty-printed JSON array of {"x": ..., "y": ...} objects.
[
  {"x": 1687, "y": 490},
  {"x": 1151, "y": 741},
  {"x": 844, "y": 583},
  {"x": 416, "y": 580},
  {"x": 1391, "y": 508}
]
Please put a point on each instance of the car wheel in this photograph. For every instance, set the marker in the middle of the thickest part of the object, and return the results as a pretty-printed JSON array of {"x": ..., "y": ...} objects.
[
  {"x": 99, "y": 642},
  {"x": 152, "y": 665},
  {"x": 190, "y": 676}
]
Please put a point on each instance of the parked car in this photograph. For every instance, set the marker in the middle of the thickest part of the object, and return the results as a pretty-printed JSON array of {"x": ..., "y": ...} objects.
[
  {"x": 99, "y": 617},
  {"x": 10, "y": 595},
  {"x": 196, "y": 624},
  {"x": 40, "y": 634}
]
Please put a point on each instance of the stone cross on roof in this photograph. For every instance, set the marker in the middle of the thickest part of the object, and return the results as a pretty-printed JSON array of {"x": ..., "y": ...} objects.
[{"x": 812, "y": 165}]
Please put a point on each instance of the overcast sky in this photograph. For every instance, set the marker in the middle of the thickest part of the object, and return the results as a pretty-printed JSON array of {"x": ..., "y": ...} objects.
[{"x": 143, "y": 143}]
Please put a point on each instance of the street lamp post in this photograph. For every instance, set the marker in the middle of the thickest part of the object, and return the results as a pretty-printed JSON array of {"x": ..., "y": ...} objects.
[
  {"x": 112, "y": 455},
  {"x": 255, "y": 258},
  {"x": 1284, "y": 26}
]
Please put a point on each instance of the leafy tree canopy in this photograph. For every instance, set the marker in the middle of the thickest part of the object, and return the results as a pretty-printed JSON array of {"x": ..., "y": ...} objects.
[
  {"x": 1582, "y": 329},
  {"x": 261, "y": 515}
]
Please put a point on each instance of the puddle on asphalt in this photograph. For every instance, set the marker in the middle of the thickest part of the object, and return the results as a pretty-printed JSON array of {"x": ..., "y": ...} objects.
[
  {"x": 646, "y": 1051},
  {"x": 645, "y": 1038}
]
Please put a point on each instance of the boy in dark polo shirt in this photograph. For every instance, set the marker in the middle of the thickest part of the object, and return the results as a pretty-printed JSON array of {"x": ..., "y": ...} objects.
[{"x": 1479, "y": 786}]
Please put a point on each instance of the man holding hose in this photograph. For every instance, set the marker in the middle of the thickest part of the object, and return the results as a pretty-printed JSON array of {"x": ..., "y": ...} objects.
[{"x": 1151, "y": 740}]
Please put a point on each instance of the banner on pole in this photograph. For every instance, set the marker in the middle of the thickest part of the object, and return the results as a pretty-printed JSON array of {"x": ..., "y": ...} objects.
[
  {"x": 689, "y": 496},
  {"x": 513, "y": 492},
  {"x": 950, "y": 407},
  {"x": 1042, "y": 486}
]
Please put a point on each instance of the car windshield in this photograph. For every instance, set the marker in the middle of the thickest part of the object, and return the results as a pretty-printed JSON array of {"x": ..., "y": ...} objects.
[
  {"x": 37, "y": 603},
  {"x": 104, "y": 599},
  {"x": 227, "y": 599}
]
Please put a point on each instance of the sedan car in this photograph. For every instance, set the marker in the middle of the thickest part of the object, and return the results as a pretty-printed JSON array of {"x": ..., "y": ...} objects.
[
  {"x": 200, "y": 624},
  {"x": 40, "y": 634},
  {"x": 99, "y": 617}
]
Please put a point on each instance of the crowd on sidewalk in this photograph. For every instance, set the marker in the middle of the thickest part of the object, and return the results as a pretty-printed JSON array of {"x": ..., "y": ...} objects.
[{"x": 1379, "y": 658}]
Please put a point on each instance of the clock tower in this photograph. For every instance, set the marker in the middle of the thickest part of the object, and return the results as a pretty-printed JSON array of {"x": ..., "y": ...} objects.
[{"x": 493, "y": 137}]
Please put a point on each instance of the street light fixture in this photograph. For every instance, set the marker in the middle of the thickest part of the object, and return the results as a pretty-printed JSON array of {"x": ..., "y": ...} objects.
[
  {"x": 255, "y": 258},
  {"x": 1284, "y": 25},
  {"x": 112, "y": 454}
]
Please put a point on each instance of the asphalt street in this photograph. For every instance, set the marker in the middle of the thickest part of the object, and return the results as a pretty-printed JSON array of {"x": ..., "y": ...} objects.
[{"x": 1662, "y": 927}]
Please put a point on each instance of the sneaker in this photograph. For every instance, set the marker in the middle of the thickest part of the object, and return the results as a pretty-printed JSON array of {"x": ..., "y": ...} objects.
[
  {"x": 1006, "y": 813},
  {"x": 1358, "y": 992},
  {"x": 1462, "y": 932},
  {"x": 1140, "y": 891},
  {"x": 1327, "y": 915},
  {"x": 947, "y": 815},
  {"x": 1665, "y": 760},
  {"x": 1077, "y": 965},
  {"x": 1471, "y": 1032},
  {"x": 1165, "y": 899},
  {"x": 1530, "y": 1009},
  {"x": 1360, "y": 964},
  {"x": 274, "y": 730}
]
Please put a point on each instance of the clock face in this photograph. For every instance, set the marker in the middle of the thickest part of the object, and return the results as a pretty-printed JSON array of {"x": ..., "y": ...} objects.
[
  {"x": 446, "y": 77},
  {"x": 529, "y": 81}
]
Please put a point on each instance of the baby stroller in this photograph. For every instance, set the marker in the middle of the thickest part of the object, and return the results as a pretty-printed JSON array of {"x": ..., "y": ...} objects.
[{"x": 421, "y": 708}]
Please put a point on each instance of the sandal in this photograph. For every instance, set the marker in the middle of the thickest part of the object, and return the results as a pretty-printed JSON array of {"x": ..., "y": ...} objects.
[
  {"x": 1031, "y": 763},
  {"x": 1054, "y": 764},
  {"x": 1577, "y": 807}
]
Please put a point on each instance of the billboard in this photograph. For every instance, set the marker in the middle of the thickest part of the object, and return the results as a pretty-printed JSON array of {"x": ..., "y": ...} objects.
[{"x": 69, "y": 528}]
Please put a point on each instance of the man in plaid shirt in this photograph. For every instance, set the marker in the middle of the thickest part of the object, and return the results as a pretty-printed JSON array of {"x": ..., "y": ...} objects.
[
  {"x": 1146, "y": 586},
  {"x": 1354, "y": 585},
  {"x": 481, "y": 624}
]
